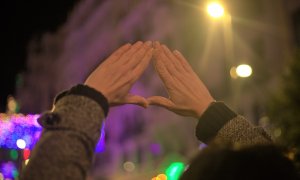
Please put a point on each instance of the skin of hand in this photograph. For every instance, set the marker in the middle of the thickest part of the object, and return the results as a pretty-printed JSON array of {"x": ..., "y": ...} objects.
[
  {"x": 116, "y": 75},
  {"x": 188, "y": 96}
]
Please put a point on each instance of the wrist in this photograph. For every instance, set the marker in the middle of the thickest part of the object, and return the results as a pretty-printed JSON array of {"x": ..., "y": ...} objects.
[
  {"x": 212, "y": 120},
  {"x": 203, "y": 107},
  {"x": 99, "y": 89},
  {"x": 87, "y": 91}
]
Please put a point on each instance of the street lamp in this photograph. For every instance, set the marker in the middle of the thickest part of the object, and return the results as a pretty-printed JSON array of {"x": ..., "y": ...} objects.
[
  {"x": 215, "y": 9},
  {"x": 242, "y": 70}
]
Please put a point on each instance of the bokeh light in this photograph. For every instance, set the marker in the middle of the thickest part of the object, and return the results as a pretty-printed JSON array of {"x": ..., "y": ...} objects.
[
  {"x": 26, "y": 161},
  {"x": 21, "y": 143},
  {"x": 233, "y": 73},
  {"x": 26, "y": 153},
  {"x": 244, "y": 70},
  {"x": 12, "y": 105},
  {"x": 215, "y": 9},
  {"x": 18, "y": 126},
  {"x": 100, "y": 147},
  {"x": 175, "y": 170},
  {"x": 9, "y": 170},
  {"x": 13, "y": 154},
  {"x": 129, "y": 166},
  {"x": 160, "y": 177}
]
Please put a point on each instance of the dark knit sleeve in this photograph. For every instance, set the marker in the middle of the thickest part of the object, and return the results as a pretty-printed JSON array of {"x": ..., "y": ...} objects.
[
  {"x": 212, "y": 120},
  {"x": 86, "y": 91},
  {"x": 219, "y": 121},
  {"x": 71, "y": 131}
]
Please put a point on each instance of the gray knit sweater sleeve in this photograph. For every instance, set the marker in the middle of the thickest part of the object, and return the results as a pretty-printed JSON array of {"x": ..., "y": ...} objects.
[
  {"x": 220, "y": 122},
  {"x": 71, "y": 131}
]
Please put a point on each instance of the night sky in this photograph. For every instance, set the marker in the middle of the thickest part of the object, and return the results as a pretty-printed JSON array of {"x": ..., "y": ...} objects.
[{"x": 20, "y": 21}]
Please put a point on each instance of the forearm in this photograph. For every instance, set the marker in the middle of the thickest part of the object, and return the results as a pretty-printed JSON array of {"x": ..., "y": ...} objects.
[
  {"x": 59, "y": 155},
  {"x": 71, "y": 131},
  {"x": 220, "y": 122}
]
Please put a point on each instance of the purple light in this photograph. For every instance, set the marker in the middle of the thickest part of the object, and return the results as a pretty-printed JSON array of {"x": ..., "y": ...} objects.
[
  {"x": 20, "y": 131},
  {"x": 155, "y": 148},
  {"x": 202, "y": 146},
  {"x": 9, "y": 170},
  {"x": 100, "y": 147},
  {"x": 17, "y": 127}
]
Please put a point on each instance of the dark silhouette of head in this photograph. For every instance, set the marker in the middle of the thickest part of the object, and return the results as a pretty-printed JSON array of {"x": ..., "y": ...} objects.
[{"x": 229, "y": 162}]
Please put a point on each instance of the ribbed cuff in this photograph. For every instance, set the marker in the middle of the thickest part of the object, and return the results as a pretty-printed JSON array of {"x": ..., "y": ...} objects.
[
  {"x": 89, "y": 92},
  {"x": 212, "y": 120}
]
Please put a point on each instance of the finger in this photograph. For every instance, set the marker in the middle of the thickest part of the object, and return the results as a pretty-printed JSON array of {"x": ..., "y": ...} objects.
[
  {"x": 129, "y": 53},
  {"x": 161, "y": 69},
  {"x": 118, "y": 53},
  {"x": 156, "y": 44},
  {"x": 161, "y": 101},
  {"x": 138, "y": 57},
  {"x": 165, "y": 60},
  {"x": 159, "y": 58},
  {"x": 140, "y": 68},
  {"x": 131, "y": 99},
  {"x": 182, "y": 60},
  {"x": 175, "y": 62}
]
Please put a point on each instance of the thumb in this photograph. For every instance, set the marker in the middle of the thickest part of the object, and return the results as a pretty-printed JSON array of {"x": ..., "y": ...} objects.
[
  {"x": 131, "y": 99},
  {"x": 161, "y": 101}
]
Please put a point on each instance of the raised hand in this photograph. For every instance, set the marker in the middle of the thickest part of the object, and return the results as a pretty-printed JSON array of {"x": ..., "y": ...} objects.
[
  {"x": 188, "y": 96},
  {"x": 116, "y": 75}
]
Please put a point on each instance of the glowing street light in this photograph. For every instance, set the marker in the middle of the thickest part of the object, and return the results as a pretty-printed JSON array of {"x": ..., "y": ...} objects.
[
  {"x": 244, "y": 70},
  {"x": 215, "y": 10}
]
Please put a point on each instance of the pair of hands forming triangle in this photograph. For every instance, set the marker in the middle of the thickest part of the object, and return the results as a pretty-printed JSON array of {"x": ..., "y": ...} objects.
[{"x": 188, "y": 96}]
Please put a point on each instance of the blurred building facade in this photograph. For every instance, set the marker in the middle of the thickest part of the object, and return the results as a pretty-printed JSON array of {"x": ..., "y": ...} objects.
[{"x": 258, "y": 32}]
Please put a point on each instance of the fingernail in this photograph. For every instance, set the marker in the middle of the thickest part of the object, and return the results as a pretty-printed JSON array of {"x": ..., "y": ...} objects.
[
  {"x": 138, "y": 43},
  {"x": 148, "y": 43},
  {"x": 127, "y": 44},
  {"x": 176, "y": 52},
  {"x": 164, "y": 46}
]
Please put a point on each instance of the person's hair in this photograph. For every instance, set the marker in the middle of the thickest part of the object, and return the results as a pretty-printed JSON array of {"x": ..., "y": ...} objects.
[{"x": 227, "y": 162}]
